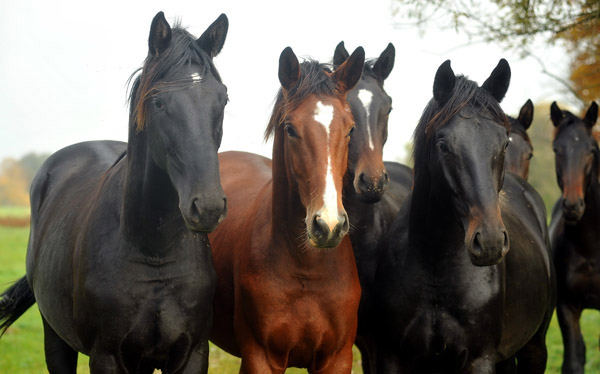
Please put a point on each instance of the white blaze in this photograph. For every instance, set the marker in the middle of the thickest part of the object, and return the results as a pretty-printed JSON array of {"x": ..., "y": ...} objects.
[
  {"x": 324, "y": 115},
  {"x": 196, "y": 78},
  {"x": 365, "y": 97}
]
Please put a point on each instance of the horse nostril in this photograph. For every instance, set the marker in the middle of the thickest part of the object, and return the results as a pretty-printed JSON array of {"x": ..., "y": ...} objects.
[
  {"x": 343, "y": 224},
  {"x": 320, "y": 229}
]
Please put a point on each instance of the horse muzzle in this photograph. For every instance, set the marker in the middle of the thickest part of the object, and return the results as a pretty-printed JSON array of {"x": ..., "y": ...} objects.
[
  {"x": 573, "y": 210},
  {"x": 328, "y": 233},
  {"x": 371, "y": 187},
  {"x": 488, "y": 244},
  {"x": 205, "y": 214}
]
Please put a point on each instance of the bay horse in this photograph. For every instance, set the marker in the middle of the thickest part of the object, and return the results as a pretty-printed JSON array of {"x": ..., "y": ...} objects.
[
  {"x": 449, "y": 296},
  {"x": 574, "y": 227},
  {"x": 373, "y": 190},
  {"x": 288, "y": 290},
  {"x": 520, "y": 150},
  {"x": 118, "y": 259}
]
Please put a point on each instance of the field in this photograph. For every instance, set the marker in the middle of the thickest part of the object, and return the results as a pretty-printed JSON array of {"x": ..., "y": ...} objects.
[{"x": 21, "y": 348}]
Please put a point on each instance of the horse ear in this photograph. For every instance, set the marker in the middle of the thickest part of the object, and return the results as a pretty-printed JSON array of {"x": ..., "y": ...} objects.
[
  {"x": 160, "y": 35},
  {"x": 498, "y": 82},
  {"x": 340, "y": 55},
  {"x": 212, "y": 40},
  {"x": 555, "y": 114},
  {"x": 289, "y": 69},
  {"x": 385, "y": 63},
  {"x": 526, "y": 114},
  {"x": 347, "y": 74},
  {"x": 443, "y": 83},
  {"x": 591, "y": 115}
]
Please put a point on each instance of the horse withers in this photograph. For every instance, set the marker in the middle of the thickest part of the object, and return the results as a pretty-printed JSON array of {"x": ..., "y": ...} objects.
[
  {"x": 465, "y": 283},
  {"x": 574, "y": 227},
  {"x": 288, "y": 290},
  {"x": 118, "y": 256}
]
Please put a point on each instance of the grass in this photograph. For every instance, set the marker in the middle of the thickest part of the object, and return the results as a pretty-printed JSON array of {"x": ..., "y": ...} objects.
[{"x": 21, "y": 348}]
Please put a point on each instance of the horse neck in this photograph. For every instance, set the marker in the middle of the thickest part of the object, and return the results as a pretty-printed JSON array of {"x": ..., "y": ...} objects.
[
  {"x": 360, "y": 214},
  {"x": 150, "y": 203},
  {"x": 592, "y": 196},
  {"x": 288, "y": 213},
  {"x": 434, "y": 232}
]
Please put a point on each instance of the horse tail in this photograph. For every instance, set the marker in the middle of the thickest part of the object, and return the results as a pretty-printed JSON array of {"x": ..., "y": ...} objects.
[{"x": 14, "y": 302}]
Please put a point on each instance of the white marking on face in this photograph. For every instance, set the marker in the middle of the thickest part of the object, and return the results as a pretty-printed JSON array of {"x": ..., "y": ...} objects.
[
  {"x": 324, "y": 115},
  {"x": 196, "y": 78},
  {"x": 365, "y": 97}
]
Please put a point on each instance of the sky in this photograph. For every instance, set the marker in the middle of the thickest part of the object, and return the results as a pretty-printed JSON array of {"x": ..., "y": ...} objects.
[{"x": 65, "y": 64}]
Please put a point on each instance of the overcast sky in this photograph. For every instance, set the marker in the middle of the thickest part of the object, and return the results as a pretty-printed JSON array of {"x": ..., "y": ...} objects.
[{"x": 64, "y": 65}]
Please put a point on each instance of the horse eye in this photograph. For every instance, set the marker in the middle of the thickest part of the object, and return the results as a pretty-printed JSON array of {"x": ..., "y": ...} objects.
[
  {"x": 443, "y": 147},
  {"x": 351, "y": 130},
  {"x": 291, "y": 131},
  {"x": 390, "y": 111},
  {"x": 157, "y": 103},
  {"x": 506, "y": 145},
  {"x": 530, "y": 156}
]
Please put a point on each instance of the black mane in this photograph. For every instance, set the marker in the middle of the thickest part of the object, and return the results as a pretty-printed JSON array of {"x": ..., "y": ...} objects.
[
  {"x": 465, "y": 93},
  {"x": 517, "y": 128},
  {"x": 314, "y": 80},
  {"x": 182, "y": 51}
]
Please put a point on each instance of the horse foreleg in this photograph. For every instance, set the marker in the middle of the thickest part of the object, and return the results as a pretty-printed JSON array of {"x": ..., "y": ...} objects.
[
  {"x": 60, "y": 357},
  {"x": 338, "y": 363},
  {"x": 198, "y": 362},
  {"x": 103, "y": 364},
  {"x": 508, "y": 366},
  {"x": 367, "y": 349},
  {"x": 254, "y": 361},
  {"x": 574, "y": 357}
]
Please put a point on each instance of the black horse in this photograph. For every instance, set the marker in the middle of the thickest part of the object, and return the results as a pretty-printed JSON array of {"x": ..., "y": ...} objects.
[
  {"x": 118, "y": 257},
  {"x": 520, "y": 150},
  {"x": 373, "y": 190},
  {"x": 448, "y": 295},
  {"x": 574, "y": 227}
]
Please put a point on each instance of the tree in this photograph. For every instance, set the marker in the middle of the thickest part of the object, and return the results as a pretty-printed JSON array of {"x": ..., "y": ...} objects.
[{"x": 517, "y": 24}]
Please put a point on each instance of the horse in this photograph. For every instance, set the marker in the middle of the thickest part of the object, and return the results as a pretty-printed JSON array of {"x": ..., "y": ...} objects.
[
  {"x": 574, "y": 227},
  {"x": 520, "y": 150},
  {"x": 288, "y": 290},
  {"x": 118, "y": 258},
  {"x": 373, "y": 190},
  {"x": 449, "y": 296}
]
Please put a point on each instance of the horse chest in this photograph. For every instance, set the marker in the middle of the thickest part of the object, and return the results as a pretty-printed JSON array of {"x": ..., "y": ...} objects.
[{"x": 298, "y": 318}]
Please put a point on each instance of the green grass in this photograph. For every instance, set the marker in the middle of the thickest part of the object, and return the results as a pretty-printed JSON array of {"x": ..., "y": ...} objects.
[
  {"x": 21, "y": 348},
  {"x": 14, "y": 211}
]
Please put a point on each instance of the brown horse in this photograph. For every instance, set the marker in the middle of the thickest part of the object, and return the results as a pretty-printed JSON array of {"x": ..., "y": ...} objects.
[{"x": 288, "y": 290}]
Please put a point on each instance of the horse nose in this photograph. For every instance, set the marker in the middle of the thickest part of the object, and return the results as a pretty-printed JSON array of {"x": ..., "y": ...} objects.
[
  {"x": 489, "y": 246},
  {"x": 206, "y": 214},
  {"x": 324, "y": 234},
  {"x": 371, "y": 188}
]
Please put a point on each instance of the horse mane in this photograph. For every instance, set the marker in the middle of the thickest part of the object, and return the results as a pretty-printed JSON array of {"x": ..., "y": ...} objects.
[
  {"x": 466, "y": 93},
  {"x": 517, "y": 128},
  {"x": 315, "y": 79},
  {"x": 183, "y": 50},
  {"x": 368, "y": 70},
  {"x": 570, "y": 119}
]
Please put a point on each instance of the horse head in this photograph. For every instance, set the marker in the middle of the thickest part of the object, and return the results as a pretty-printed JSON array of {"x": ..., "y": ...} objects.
[
  {"x": 520, "y": 150},
  {"x": 576, "y": 157},
  {"x": 314, "y": 124},
  {"x": 178, "y": 105},
  {"x": 371, "y": 106},
  {"x": 467, "y": 136}
]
